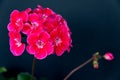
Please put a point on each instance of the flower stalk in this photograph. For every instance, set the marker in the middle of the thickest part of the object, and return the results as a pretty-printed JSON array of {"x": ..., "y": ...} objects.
[
  {"x": 77, "y": 68},
  {"x": 33, "y": 68}
]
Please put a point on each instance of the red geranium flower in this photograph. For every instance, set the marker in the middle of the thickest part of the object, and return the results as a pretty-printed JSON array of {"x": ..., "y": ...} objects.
[
  {"x": 16, "y": 47},
  {"x": 61, "y": 39},
  {"x": 16, "y": 20},
  {"x": 39, "y": 45}
]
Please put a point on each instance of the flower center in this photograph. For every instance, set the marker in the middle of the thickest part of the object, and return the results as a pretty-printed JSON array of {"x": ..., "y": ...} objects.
[
  {"x": 40, "y": 44},
  {"x": 44, "y": 16},
  {"x": 17, "y": 42},
  {"x": 18, "y": 22},
  {"x": 35, "y": 24},
  {"x": 58, "y": 41}
]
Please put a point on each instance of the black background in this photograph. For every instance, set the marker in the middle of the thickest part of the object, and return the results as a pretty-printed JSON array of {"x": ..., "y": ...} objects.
[{"x": 95, "y": 26}]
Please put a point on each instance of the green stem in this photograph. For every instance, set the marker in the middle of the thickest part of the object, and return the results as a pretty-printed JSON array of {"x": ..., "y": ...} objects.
[
  {"x": 77, "y": 68},
  {"x": 33, "y": 68}
]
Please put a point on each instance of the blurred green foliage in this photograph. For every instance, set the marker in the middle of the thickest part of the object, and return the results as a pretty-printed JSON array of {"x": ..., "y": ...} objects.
[
  {"x": 2, "y": 70},
  {"x": 20, "y": 76}
]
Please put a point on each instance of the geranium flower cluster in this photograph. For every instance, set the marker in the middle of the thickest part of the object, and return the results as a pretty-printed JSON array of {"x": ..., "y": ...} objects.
[{"x": 47, "y": 32}]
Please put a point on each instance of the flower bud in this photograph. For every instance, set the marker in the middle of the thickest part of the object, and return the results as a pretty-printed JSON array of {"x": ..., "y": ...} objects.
[
  {"x": 95, "y": 64},
  {"x": 108, "y": 56}
]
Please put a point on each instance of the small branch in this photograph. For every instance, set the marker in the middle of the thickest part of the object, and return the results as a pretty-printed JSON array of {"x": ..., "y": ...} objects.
[
  {"x": 77, "y": 68},
  {"x": 33, "y": 68}
]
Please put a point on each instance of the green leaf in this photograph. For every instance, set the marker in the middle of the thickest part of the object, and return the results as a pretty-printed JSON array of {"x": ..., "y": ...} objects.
[
  {"x": 3, "y": 69},
  {"x": 12, "y": 78},
  {"x": 24, "y": 76}
]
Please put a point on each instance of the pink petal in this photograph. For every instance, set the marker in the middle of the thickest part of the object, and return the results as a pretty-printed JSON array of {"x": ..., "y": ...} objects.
[
  {"x": 30, "y": 50},
  {"x": 33, "y": 17},
  {"x": 32, "y": 38},
  {"x": 41, "y": 54},
  {"x": 44, "y": 36},
  {"x": 59, "y": 51},
  {"x": 48, "y": 27},
  {"x": 48, "y": 11},
  {"x": 36, "y": 30},
  {"x": 28, "y": 10},
  {"x": 24, "y": 15},
  {"x": 26, "y": 29},
  {"x": 38, "y": 10},
  {"x": 10, "y": 27},
  {"x": 49, "y": 48},
  {"x": 17, "y": 51},
  {"x": 15, "y": 26},
  {"x": 14, "y": 35},
  {"x": 14, "y": 15}
]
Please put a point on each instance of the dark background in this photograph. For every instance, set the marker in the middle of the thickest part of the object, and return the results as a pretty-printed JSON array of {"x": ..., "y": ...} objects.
[{"x": 95, "y": 26}]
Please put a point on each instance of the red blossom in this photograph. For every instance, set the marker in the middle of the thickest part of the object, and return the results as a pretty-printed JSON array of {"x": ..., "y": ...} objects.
[
  {"x": 39, "y": 45},
  {"x": 61, "y": 39},
  {"x": 16, "y": 46},
  {"x": 15, "y": 15},
  {"x": 16, "y": 20}
]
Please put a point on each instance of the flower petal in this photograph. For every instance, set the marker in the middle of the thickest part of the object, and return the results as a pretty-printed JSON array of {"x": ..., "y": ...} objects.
[
  {"x": 17, "y": 51},
  {"x": 30, "y": 49},
  {"x": 33, "y": 17},
  {"x": 26, "y": 29},
  {"x": 14, "y": 15},
  {"x": 41, "y": 54},
  {"x": 14, "y": 35}
]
